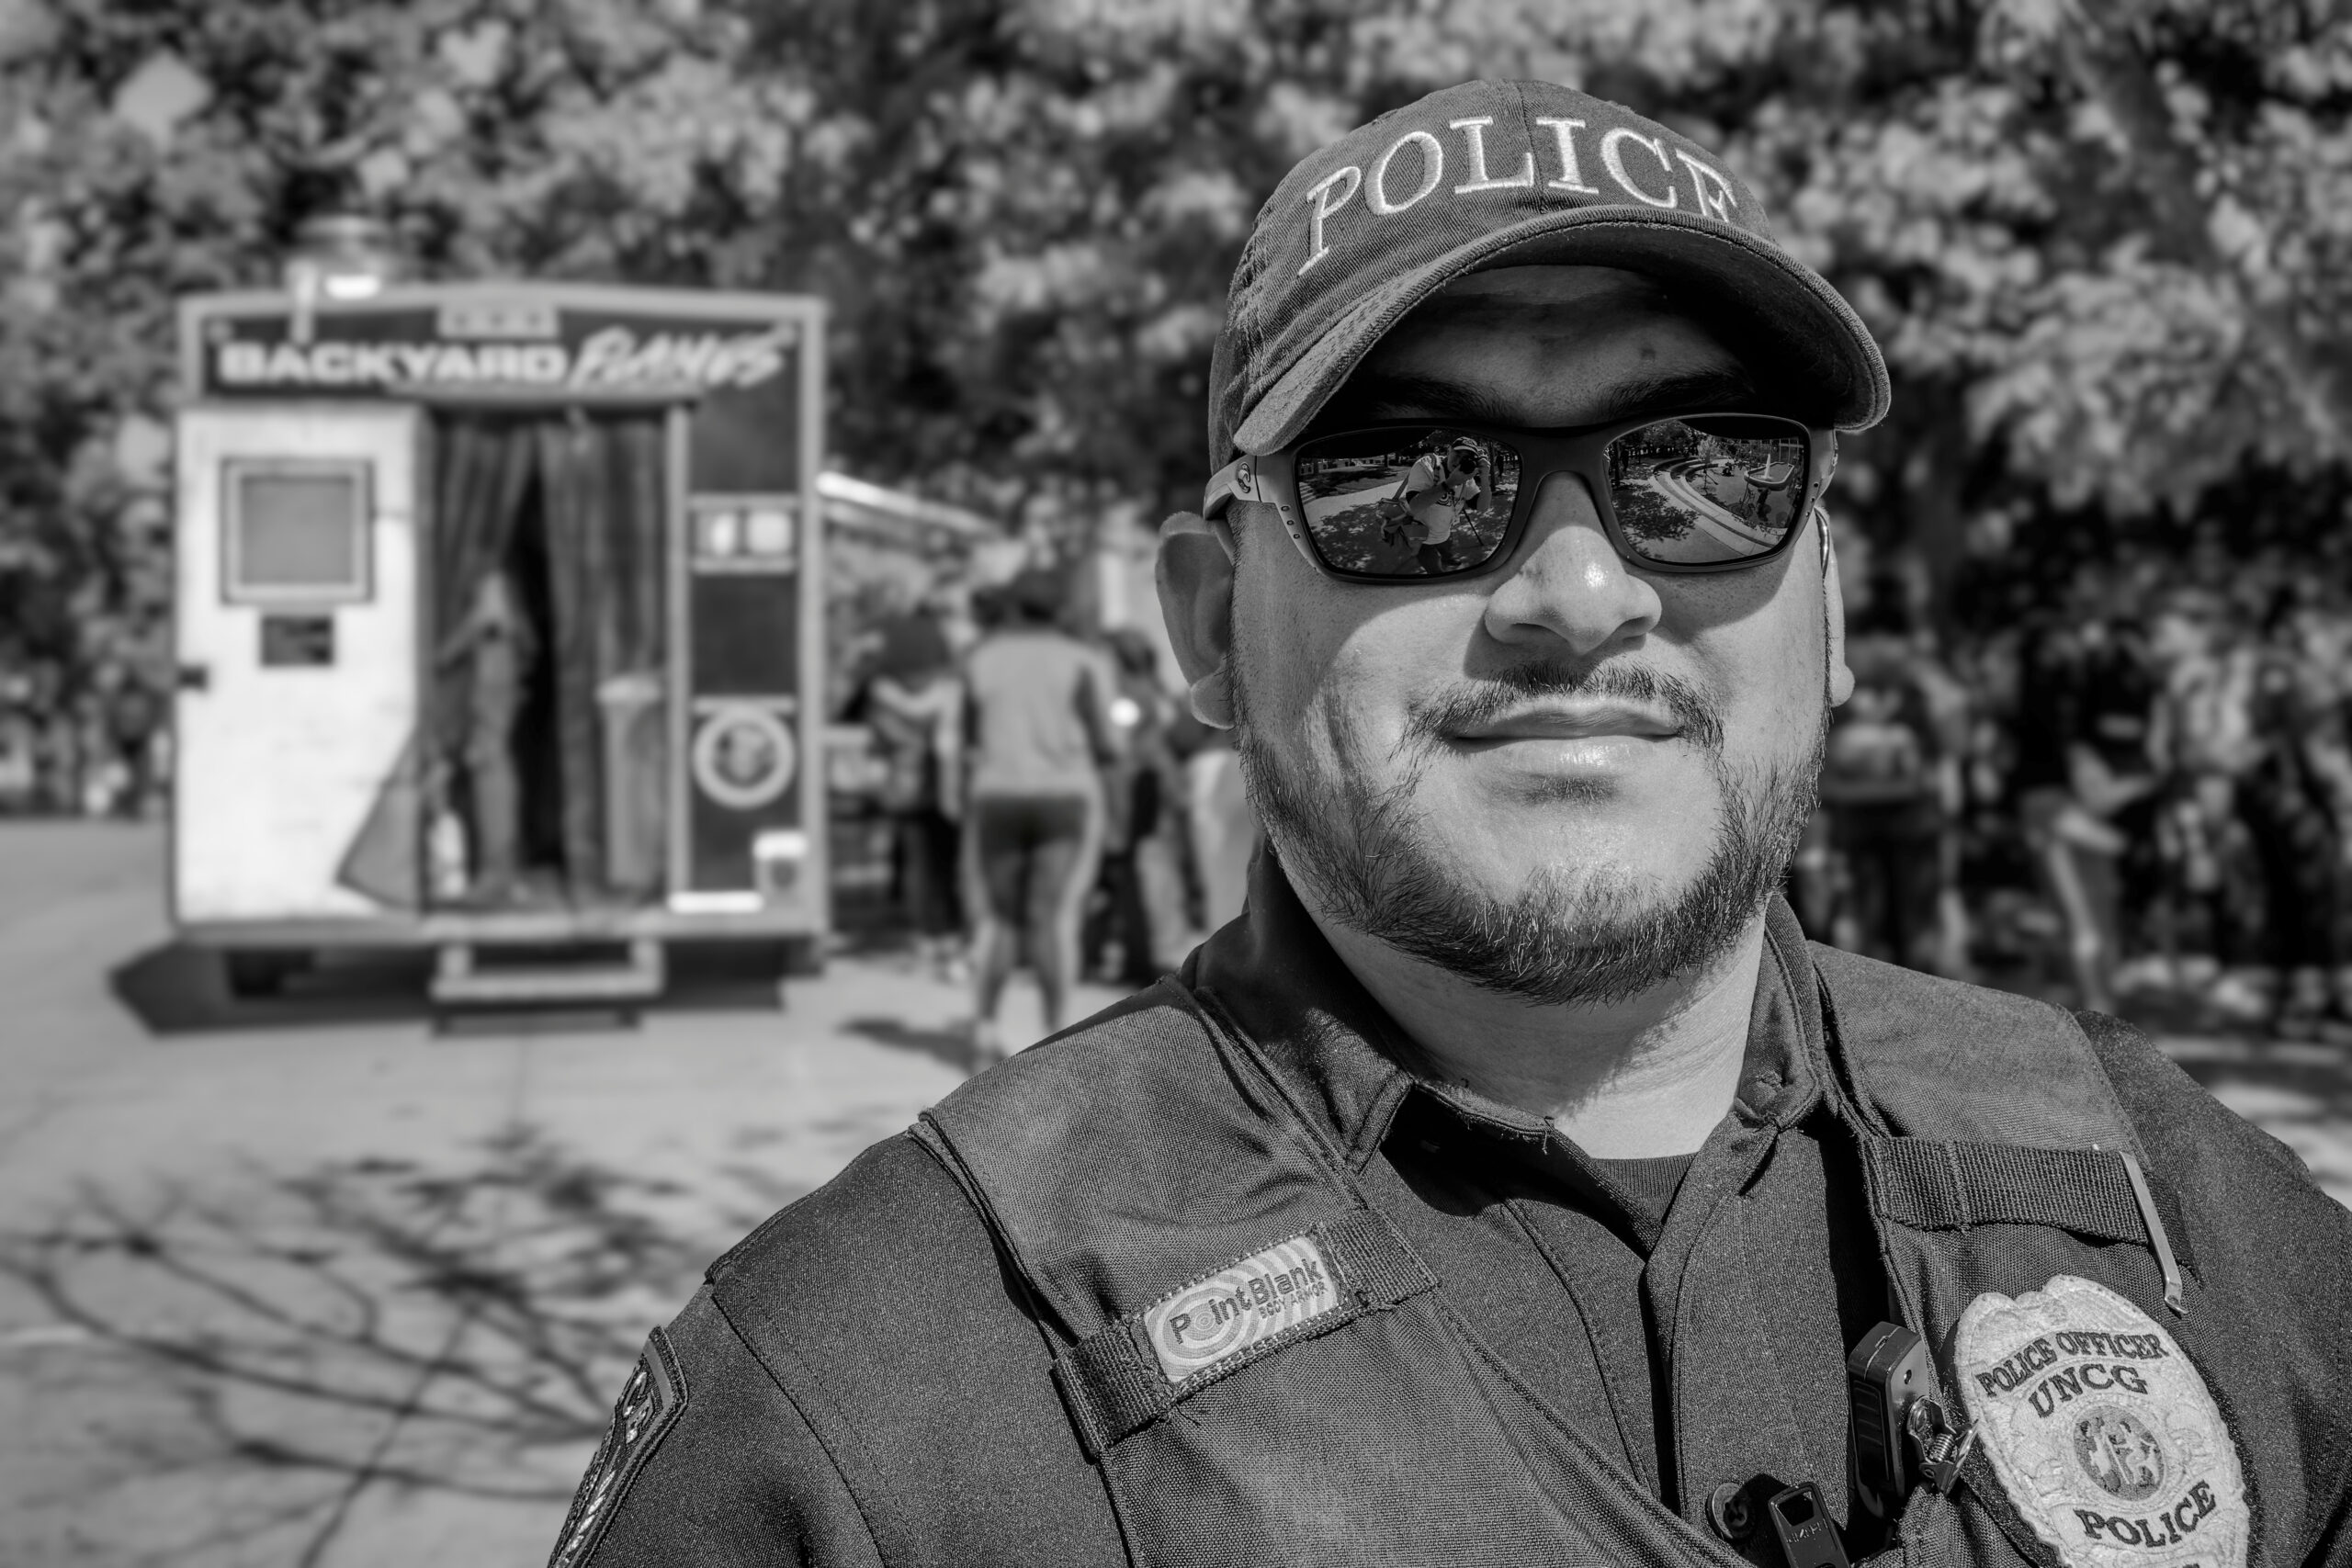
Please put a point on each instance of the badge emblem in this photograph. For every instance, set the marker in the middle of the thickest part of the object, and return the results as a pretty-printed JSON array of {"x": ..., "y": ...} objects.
[{"x": 2103, "y": 1434}]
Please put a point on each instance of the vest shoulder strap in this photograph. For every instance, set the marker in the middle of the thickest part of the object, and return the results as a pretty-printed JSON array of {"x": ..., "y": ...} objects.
[
  {"x": 1129, "y": 1156},
  {"x": 1992, "y": 1109},
  {"x": 1930, "y": 1057}
]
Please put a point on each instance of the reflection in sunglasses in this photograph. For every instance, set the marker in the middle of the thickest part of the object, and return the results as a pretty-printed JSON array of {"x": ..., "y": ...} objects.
[
  {"x": 1687, "y": 491},
  {"x": 1425, "y": 500},
  {"x": 1411, "y": 502}
]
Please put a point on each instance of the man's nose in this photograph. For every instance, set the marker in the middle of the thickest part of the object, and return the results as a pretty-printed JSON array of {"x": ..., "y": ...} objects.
[{"x": 1568, "y": 582}]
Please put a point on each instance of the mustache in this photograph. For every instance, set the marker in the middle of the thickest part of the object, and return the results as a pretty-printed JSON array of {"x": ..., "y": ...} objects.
[{"x": 1430, "y": 719}]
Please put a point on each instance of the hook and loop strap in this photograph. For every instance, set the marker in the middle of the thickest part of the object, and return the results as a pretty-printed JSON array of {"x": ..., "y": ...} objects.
[
  {"x": 1140, "y": 1366},
  {"x": 1934, "y": 1184}
]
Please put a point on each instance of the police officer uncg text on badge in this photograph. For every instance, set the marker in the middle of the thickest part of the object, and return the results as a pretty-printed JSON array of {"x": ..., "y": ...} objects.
[{"x": 1512, "y": 1183}]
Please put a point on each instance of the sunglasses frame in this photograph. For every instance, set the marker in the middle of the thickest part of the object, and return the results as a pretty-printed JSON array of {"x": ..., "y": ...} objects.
[{"x": 1272, "y": 480}]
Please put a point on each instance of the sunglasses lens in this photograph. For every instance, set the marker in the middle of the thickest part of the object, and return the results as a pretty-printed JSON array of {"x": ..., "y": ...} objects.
[
  {"x": 1718, "y": 487},
  {"x": 1411, "y": 501}
]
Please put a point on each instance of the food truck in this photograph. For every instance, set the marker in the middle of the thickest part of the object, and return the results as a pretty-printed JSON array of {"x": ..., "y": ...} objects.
[{"x": 498, "y": 626}]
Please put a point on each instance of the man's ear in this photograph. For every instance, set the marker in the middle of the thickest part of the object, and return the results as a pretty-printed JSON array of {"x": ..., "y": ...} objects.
[
  {"x": 1833, "y": 615},
  {"x": 1195, "y": 577}
]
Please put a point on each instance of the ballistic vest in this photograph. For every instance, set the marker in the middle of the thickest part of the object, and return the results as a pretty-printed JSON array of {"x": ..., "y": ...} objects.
[{"x": 1266, "y": 1373}]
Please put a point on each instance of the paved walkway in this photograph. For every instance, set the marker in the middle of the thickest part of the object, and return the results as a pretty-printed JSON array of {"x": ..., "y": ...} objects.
[
  {"x": 132, "y": 1074},
  {"x": 132, "y": 1079}
]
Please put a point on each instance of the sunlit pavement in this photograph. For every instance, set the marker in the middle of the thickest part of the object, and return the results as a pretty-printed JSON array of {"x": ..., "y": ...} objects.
[
  {"x": 128, "y": 1072},
  {"x": 128, "y": 1069}
]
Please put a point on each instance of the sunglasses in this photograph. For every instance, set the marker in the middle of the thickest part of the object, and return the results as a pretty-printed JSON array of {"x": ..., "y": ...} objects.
[{"x": 1409, "y": 501}]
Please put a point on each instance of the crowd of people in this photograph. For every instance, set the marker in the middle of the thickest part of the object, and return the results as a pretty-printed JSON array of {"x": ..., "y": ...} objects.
[
  {"x": 2135, "y": 786},
  {"x": 2146, "y": 777},
  {"x": 1051, "y": 805},
  {"x": 99, "y": 751}
]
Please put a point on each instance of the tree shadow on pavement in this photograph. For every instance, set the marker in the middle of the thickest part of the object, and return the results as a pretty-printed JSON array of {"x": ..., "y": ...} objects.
[
  {"x": 295, "y": 1348},
  {"x": 949, "y": 1045}
]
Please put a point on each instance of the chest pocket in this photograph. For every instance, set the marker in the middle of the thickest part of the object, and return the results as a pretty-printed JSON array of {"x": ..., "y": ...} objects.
[{"x": 1341, "y": 1419}]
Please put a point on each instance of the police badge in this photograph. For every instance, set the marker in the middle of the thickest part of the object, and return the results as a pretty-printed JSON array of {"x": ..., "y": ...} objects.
[{"x": 2101, "y": 1431}]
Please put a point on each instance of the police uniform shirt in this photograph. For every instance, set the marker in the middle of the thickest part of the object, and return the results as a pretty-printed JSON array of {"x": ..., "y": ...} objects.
[
  {"x": 879, "y": 1393},
  {"x": 1702, "y": 1343}
]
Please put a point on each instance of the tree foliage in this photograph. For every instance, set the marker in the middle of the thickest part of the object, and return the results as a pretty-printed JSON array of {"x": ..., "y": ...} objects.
[{"x": 2103, "y": 241}]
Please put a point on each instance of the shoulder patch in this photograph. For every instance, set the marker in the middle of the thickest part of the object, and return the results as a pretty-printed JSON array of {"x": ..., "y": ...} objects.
[
  {"x": 650, "y": 1403},
  {"x": 2101, "y": 1431},
  {"x": 1239, "y": 1306}
]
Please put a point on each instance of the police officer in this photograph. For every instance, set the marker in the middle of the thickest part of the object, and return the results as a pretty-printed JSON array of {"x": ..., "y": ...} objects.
[{"x": 1512, "y": 1183}]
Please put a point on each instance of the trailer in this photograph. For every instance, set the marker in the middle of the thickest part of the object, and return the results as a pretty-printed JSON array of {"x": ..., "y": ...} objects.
[{"x": 498, "y": 619}]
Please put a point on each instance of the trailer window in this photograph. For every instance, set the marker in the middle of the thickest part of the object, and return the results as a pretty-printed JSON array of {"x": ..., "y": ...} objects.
[{"x": 297, "y": 533}]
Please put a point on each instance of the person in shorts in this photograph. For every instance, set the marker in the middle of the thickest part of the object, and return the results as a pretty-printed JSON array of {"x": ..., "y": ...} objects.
[{"x": 1041, "y": 733}]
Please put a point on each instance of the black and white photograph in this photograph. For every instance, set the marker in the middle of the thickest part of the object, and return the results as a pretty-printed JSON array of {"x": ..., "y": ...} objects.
[{"x": 1156, "y": 783}]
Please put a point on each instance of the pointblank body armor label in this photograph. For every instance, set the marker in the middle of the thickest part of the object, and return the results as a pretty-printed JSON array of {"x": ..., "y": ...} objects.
[
  {"x": 2101, "y": 1431},
  {"x": 1238, "y": 1306}
]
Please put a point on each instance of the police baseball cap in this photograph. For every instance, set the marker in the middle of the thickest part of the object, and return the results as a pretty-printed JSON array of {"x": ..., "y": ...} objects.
[{"x": 1508, "y": 173}]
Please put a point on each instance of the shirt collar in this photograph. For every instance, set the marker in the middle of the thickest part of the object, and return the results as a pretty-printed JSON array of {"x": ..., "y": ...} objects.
[{"x": 1341, "y": 1058}]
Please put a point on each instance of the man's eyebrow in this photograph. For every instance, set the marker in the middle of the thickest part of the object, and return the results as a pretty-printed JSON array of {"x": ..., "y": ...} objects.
[
  {"x": 1373, "y": 395},
  {"x": 1687, "y": 391},
  {"x": 1376, "y": 396}
]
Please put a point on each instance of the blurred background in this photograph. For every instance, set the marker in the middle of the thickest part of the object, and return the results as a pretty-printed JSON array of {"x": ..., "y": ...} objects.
[{"x": 321, "y": 1257}]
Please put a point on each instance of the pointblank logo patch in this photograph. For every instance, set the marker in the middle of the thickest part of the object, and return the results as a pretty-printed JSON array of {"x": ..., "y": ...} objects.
[
  {"x": 1240, "y": 1305},
  {"x": 2101, "y": 1431}
]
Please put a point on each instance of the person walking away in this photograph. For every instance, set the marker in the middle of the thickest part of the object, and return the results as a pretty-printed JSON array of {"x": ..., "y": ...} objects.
[
  {"x": 2202, "y": 738},
  {"x": 915, "y": 707},
  {"x": 1041, "y": 734},
  {"x": 2293, "y": 800},
  {"x": 1141, "y": 913},
  {"x": 1879, "y": 785},
  {"x": 2075, "y": 772}
]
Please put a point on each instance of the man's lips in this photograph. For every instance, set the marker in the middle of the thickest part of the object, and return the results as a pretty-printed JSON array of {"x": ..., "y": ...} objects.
[{"x": 1570, "y": 721}]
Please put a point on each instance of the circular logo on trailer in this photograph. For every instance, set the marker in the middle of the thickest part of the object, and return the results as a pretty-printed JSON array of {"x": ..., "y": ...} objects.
[
  {"x": 744, "y": 757},
  {"x": 2102, "y": 1430}
]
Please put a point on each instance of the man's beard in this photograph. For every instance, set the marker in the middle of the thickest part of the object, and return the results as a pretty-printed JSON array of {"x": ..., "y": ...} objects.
[{"x": 1571, "y": 936}]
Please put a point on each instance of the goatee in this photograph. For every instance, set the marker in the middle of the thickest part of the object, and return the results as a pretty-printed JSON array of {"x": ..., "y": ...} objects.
[{"x": 1571, "y": 935}]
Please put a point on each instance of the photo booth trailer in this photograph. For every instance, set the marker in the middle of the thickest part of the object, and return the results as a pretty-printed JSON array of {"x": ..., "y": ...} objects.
[{"x": 498, "y": 620}]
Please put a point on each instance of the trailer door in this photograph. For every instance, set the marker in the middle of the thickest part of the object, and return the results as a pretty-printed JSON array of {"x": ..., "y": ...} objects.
[{"x": 297, "y": 600}]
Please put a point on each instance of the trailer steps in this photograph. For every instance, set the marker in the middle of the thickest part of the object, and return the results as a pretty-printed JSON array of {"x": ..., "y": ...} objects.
[{"x": 470, "y": 975}]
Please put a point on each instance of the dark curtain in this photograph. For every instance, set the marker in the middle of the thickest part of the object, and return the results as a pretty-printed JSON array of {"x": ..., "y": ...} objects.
[
  {"x": 602, "y": 481},
  {"x": 599, "y": 491},
  {"x": 483, "y": 474}
]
